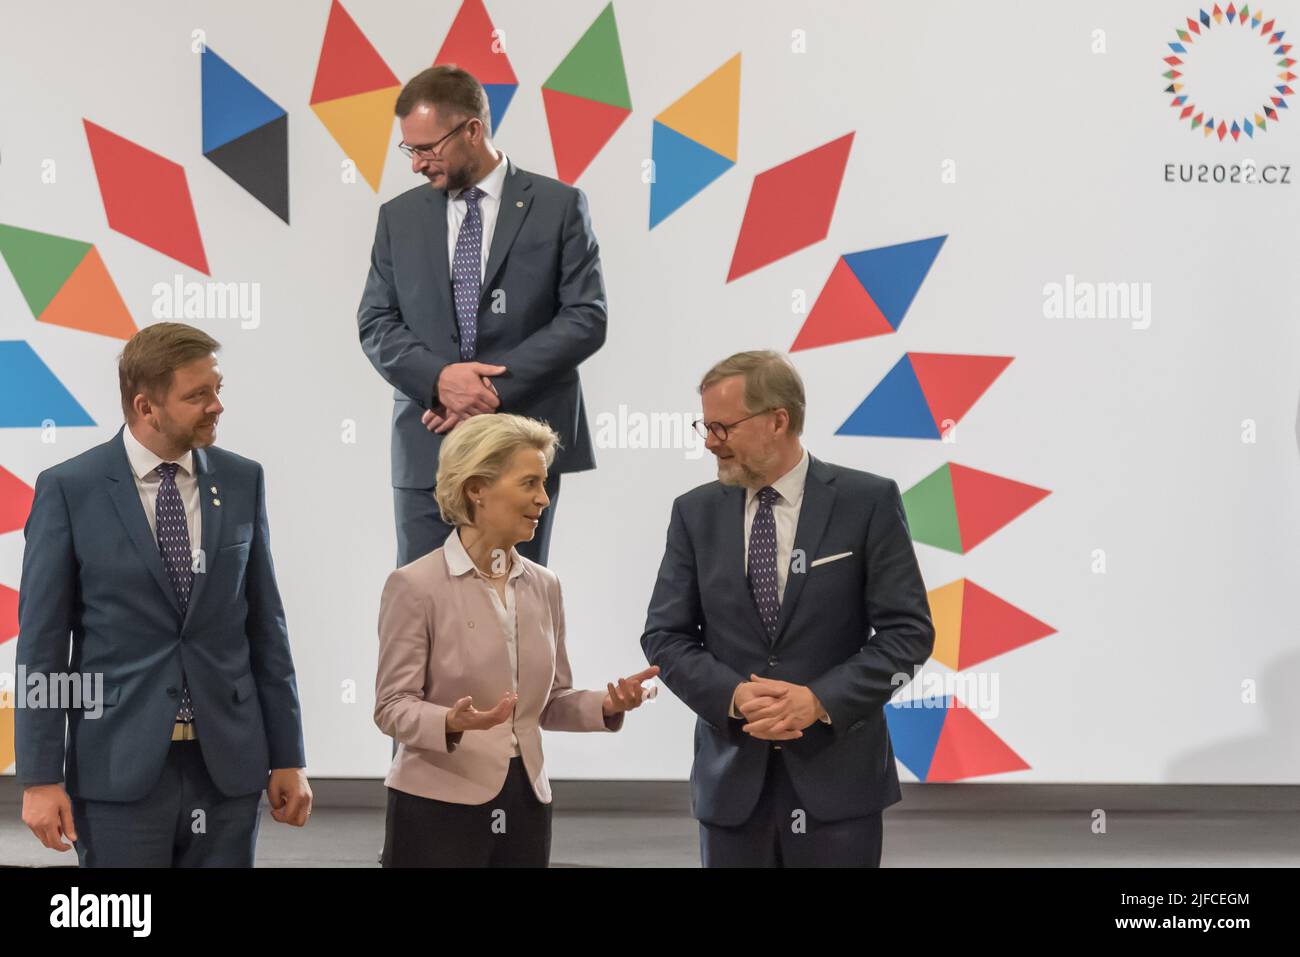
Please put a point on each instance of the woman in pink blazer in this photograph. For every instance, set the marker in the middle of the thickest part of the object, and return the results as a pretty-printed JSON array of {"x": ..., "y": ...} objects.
[{"x": 474, "y": 623}]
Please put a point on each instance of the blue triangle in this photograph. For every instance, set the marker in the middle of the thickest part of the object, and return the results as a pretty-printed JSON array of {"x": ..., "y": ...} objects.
[
  {"x": 30, "y": 394},
  {"x": 231, "y": 105},
  {"x": 895, "y": 408},
  {"x": 499, "y": 96},
  {"x": 682, "y": 168},
  {"x": 893, "y": 274},
  {"x": 914, "y": 729}
]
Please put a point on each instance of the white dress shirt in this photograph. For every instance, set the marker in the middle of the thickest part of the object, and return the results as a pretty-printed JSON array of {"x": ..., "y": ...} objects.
[
  {"x": 147, "y": 481},
  {"x": 459, "y": 563},
  {"x": 489, "y": 205},
  {"x": 785, "y": 511}
]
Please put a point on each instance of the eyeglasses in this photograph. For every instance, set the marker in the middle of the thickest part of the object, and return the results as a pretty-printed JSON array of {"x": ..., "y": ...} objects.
[
  {"x": 430, "y": 150},
  {"x": 719, "y": 429}
]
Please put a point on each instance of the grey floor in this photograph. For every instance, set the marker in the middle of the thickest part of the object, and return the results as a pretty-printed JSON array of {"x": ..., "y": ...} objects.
[{"x": 351, "y": 837}]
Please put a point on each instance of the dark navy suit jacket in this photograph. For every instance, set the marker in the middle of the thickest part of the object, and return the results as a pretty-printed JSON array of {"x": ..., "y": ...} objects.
[
  {"x": 541, "y": 312},
  {"x": 847, "y": 628},
  {"x": 95, "y": 598}
]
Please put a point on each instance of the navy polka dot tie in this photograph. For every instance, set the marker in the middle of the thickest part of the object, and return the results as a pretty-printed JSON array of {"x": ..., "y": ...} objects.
[
  {"x": 466, "y": 268},
  {"x": 174, "y": 544},
  {"x": 762, "y": 561}
]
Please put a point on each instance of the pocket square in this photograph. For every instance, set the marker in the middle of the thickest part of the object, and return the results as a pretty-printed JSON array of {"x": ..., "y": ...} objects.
[{"x": 830, "y": 558}]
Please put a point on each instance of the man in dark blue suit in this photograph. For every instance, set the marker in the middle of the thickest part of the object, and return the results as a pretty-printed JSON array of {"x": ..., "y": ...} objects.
[
  {"x": 789, "y": 609},
  {"x": 148, "y": 568},
  {"x": 484, "y": 295}
]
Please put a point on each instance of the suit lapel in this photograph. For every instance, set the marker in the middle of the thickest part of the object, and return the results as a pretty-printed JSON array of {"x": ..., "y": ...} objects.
[
  {"x": 435, "y": 225},
  {"x": 210, "y": 512},
  {"x": 126, "y": 500},
  {"x": 516, "y": 200},
  {"x": 814, "y": 514}
]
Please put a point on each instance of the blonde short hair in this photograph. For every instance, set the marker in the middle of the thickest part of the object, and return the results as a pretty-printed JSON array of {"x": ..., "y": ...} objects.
[
  {"x": 480, "y": 448},
  {"x": 771, "y": 382}
]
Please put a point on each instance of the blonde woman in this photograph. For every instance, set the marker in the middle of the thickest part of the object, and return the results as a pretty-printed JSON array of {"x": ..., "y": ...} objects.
[{"x": 472, "y": 664}]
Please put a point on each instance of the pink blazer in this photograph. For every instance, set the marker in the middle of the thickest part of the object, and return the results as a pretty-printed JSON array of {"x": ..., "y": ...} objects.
[{"x": 439, "y": 640}]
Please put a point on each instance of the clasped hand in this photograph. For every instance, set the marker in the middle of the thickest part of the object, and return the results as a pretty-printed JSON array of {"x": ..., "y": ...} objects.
[
  {"x": 776, "y": 710},
  {"x": 465, "y": 389}
]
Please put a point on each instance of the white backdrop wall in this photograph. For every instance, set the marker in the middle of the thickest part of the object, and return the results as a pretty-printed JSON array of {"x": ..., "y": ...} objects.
[{"x": 1057, "y": 136}]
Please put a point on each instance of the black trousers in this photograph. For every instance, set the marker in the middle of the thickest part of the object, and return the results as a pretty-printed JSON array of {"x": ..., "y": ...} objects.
[
  {"x": 185, "y": 821},
  {"x": 420, "y": 529},
  {"x": 779, "y": 833},
  {"x": 511, "y": 830}
]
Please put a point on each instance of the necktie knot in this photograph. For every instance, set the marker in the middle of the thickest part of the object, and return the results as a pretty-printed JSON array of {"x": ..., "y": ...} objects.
[
  {"x": 167, "y": 470},
  {"x": 473, "y": 195},
  {"x": 768, "y": 495}
]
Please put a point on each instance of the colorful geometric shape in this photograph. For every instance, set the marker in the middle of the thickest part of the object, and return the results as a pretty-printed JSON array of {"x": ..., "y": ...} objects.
[
  {"x": 790, "y": 207},
  {"x": 939, "y": 739},
  {"x": 586, "y": 97},
  {"x": 956, "y": 507},
  {"x": 245, "y": 133},
  {"x": 65, "y": 282},
  {"x": 6, "y": 731},
  {"x": 924, "y": 394},
  {"x": 8, "y": 614},
  {"x": 146, "y": 197},
  {"x": 868, "y": 293},
  {"x": 30, "y": 393},
  {"x": 473, "y": 45},
  {"x": 972, "y": 625},
  {"x": 354, "y": 93},
  {"x": 15, "y": 501},
  {"x": 695, "y": 140}
]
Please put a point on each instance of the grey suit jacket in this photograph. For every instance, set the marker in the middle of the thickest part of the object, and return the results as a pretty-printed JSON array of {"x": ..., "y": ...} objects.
[{"x": 541, "y": 313}]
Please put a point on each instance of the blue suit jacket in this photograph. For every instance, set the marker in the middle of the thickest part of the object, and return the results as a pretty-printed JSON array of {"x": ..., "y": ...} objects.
[
  {"x": 704, "y": 632},
  {"x": 542, "y": 311},
  {"x": 95, "y": 598}
]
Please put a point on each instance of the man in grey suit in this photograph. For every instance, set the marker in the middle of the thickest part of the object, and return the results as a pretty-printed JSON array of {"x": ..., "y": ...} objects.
[
  {"x": 148, "y": 570},
  {"x": 484, "y": 295},
  {"x": 789, "y": 609}
]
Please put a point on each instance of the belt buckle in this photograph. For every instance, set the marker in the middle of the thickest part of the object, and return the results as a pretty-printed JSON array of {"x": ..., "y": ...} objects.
[{"x": 184, "y": 731}]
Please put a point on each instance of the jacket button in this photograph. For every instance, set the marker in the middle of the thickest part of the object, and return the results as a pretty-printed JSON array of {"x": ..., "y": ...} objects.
[
  {"x": 771, "y": 662},
  {"x": 471, "y": 624},
  {"x": 172, "y": 692}
]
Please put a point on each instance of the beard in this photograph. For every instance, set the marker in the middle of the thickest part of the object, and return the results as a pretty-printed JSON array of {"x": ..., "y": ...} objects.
[{"x": 739, "y": 474}]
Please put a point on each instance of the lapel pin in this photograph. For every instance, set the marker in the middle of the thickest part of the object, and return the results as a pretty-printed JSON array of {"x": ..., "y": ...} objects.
[
  {"x": 214, "y": 490},
  {"x": 216, "y": 501},
  {"x": 519, "y": 203}
]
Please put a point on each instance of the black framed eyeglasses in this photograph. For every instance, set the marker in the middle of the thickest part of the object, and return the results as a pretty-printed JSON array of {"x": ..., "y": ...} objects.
[
  {"x": 431, "y": 150},
  {"x": 720, "y": 429}
]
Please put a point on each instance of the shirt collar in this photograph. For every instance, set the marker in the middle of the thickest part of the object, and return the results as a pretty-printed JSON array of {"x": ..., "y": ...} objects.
[
  {"x": 790, "y": 485},
  {"x": 143, "y": 461},
  {"x": 493, "y": 183},
  {"x": 459, "y": 563}
]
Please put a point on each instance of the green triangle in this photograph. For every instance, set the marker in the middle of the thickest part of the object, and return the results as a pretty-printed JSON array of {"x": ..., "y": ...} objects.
[
  {"x": 594, "y": 67},
  {"x": 41, "y": 263},
  {"x": 932, "y": 512}
]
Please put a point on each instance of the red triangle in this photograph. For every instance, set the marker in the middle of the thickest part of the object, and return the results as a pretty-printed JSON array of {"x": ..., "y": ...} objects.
[
  {"x": 952, "y": 383},
  {"x": 348, "y": 63},
  {"x": 8, "y": 613},
  {"x": 968, "y": 749},
  {"x": 469, "y": 45},
  {"x": 985, "y": 502},
  {"x": 579, "y": 128},
  {"x": 991, "y": 626},
  {"x": 15, "y": 501},
  {"x": 844, "y": 311}
]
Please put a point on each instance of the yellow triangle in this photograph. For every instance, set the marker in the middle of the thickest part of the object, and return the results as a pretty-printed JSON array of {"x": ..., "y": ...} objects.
[
  {"x": 945, "y": 610},
  {"x": 363, "y": 125},
  {"x": 709, "y": 112}
]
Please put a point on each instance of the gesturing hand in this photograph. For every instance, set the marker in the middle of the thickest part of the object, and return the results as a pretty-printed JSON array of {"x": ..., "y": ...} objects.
[
  {"x": 465, "y": 717},
  {"x": 629, "y": 694}
]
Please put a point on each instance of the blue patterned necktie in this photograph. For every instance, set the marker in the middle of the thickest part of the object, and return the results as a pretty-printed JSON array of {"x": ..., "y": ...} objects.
[
  {"x": 466, "y": 269},
  {"x": 174, "y": 543},
  {"x": 762, "y": 561}
]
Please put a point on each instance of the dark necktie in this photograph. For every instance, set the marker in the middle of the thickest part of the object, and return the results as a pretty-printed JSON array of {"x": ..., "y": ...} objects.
[
  {"x": 762, "y": 561},
  {"x": 466, "y": 268},
  {"x": 174, "y": 543}
]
